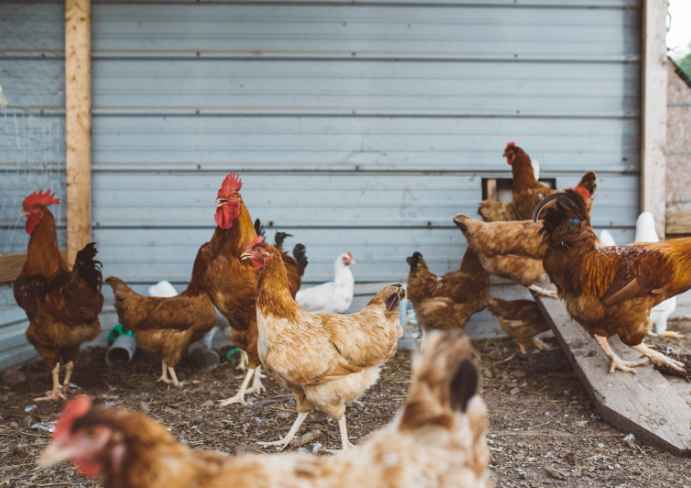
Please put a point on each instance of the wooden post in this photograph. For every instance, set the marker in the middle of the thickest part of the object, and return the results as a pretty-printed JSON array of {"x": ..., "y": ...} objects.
[
  {"x": 78, "y": 123},
  {"x": 654, "y": 111}
]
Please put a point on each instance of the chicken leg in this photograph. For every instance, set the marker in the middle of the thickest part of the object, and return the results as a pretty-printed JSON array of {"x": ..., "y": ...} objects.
[
  {"x": 174, "y": 377},
  {"x": 257, "y": 386},
  {"x": 659, "y": 359},
  {"x": 343, "y": 429},
  {"x": 69, "y": 368},
  {"x": 239, "y": 397},
  {"x": 282, "y": 443},
  {"x": 244, "y": 362},
  {"x": 164, "y": 373},
  {"x": 56, "y": 392},
  {"x": 618, "y": 363}
]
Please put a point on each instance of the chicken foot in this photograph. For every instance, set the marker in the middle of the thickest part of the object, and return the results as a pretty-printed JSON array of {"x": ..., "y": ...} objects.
[
  {"x": 282, "y": 443},
  {"x": 659, "y": 359},
  {"x": 617, "y": 363},
  {"x": 239, "y": 397},
  {"x": 174, "y": 377},
  {"x": 56, "y": 393},
  {"x": 257, "y": 386},
  {"x": 164, "y": 373}
]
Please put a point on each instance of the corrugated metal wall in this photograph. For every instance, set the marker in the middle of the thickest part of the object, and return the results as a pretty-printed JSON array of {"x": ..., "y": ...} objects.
[{"x": 360, "y": 126}]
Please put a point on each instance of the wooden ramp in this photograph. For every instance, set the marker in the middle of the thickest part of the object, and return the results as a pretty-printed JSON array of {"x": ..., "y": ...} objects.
[{"x": 645, "y": 404}]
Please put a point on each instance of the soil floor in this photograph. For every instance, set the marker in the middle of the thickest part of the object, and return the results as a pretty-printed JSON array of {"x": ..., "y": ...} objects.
[{"x": 543, "y": 430}]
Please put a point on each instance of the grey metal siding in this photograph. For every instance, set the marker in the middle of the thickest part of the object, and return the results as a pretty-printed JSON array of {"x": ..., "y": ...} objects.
[{"x": 360, "y": 126}]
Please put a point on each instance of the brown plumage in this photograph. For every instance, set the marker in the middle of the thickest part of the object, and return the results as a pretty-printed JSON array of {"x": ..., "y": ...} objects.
[
  {"x": 527, "y": 192},
  {"x": 232, "y": 285},
  {"x": 520, "y": 319},
  {"x": 437, "y": 441},
  {"x": 327, "y": 360},
  {"x": 62, "y": 305},
  {"x": 447, "y": 302},
  {"x": 167, "y": 326},
  {"x": 611, "y": 290}
]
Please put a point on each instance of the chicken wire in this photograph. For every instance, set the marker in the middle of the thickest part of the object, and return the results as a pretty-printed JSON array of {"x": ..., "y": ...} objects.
[{"x": 30, "y": 146}]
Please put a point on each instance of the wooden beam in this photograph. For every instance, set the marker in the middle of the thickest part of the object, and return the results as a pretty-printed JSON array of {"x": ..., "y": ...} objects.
[
  {"x": 645, "y": 404},
  {"x": 654, "y": 111},
  {"x": 11, "y": 265},
  {"x": 78, "y": 123},
  {"x": 679, "y": 222}
]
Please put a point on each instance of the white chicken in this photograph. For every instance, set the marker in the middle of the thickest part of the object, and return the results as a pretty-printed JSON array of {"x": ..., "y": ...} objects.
[
  {"x": 334, "y": 296},
  {"x": 645, "y": 232}
]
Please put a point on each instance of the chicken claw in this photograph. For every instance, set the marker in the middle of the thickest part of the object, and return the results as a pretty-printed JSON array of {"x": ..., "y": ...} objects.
[
  {"x": 56, "y": 393},
  {"x": 627, "y": 366},
  {"x": 164, "y": 374},
  {"x": 659, "y": 359},
  {"x": 282, "y": 443}
]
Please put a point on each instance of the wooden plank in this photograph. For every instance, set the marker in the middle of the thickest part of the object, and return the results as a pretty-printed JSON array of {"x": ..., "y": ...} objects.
[
  {"x": 678, "y": 222},
  {"x": 645, "y": 404},
  {"x": 11, "y": 265},
  {"x": 78, "y": 123},
  {"x": 654, "y": 112}
]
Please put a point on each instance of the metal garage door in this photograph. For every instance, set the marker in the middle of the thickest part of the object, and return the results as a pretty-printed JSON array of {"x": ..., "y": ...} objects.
[{"x": 359, "y": 126}]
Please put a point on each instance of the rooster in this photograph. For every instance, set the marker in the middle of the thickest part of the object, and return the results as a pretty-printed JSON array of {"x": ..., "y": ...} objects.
[
  {"x": 447, "y": 302},
  {"x": 339, "y": 355},
  {"x": 333, "y": 296},
  {"x": 611, "y": 290},
  {"x": 231, "y": 285},
  {"x": 437, "y": 441},
  {"x": 62, "y": 305}
]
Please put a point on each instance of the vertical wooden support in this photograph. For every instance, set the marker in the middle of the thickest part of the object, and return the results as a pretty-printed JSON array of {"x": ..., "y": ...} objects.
[
  {"x": 654, "y": 111},
  {"x": 78, "y": 123}
]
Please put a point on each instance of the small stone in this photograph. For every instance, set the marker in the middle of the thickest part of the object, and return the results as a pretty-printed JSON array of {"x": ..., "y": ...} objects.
[
  {"x": 514, "y": 391},
  {"x": 554, "y": 474}
]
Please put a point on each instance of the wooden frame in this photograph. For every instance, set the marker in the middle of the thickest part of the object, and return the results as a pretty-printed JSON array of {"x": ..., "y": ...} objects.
[
  {"x": 11, "y": 265},
  {"x": 654, "y": 111},
  {"x": 78, "y": 124}
]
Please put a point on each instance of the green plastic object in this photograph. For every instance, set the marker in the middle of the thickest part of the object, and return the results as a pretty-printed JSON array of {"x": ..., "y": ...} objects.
[
  {"x": 231, "y": 353},
  {"x": 117, "y": 331}
]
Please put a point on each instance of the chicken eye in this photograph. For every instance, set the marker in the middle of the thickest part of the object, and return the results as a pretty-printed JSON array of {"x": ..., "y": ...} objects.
[{"x": 574, "y": 222}]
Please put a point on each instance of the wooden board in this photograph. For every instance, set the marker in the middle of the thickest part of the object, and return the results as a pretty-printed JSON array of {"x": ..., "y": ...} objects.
[
  {"x": 11, "y": 265},
  {"x": 678, "y": 223},
  {"x": 645, "y": 404}
]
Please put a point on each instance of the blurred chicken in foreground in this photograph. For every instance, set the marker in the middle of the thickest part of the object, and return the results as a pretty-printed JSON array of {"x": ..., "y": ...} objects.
[
  {"x": 333, "y": 296},
  {"x": 437, "y": 441},
  {"x": 62, "y": 305}
]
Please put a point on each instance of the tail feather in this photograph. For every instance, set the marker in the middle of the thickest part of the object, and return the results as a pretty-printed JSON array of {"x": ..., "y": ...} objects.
[
  {"x": 279, "y": 238},
  {"x": 445, "y": 382},
  {"x": 88, "y": 268},
  {"x": 300, "y": 255},
  {"x": 589, "y": 182},
  {"x": 259, "y": 228}
]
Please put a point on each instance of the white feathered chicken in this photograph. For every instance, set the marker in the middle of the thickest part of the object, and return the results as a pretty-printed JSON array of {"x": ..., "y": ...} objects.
[
  {"x": 645, "y": 232},
  {"x": 334, "y": 296}
]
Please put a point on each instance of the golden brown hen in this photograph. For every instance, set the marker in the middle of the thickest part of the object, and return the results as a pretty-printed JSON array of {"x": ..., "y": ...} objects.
[{"x": 447, "y": 302}]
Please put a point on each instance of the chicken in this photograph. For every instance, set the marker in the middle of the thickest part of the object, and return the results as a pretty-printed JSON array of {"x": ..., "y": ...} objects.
[
  {"x": 334, "y": 296},
  {"x": 646, "y": 233},
  {"x": 447, "y": 302},
  {"x": 527, "y": 191},
  {"x": 167, "y": 325},
  {"x": 611, "y": 290},
  {"x": 522, "y": 320},
  {"x": 437, "y": 441},
  {"x": 62, "y": 305},
  {"x": 231, "y": 285},
  {"x": 326, "y": 360},
  {"x": 295, "y": 264}
]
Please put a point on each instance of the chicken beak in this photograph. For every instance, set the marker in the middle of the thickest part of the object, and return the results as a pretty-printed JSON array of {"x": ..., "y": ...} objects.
[
  {"x": 245, "y": 256},
  {"x": 56, "y": 453}
]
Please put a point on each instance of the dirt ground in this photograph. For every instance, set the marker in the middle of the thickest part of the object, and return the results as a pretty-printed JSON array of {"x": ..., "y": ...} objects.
[{"x": 543, "y": 431}]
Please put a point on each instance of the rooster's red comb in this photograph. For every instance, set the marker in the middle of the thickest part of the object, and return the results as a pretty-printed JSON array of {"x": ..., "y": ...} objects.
[
  {"x": 44, "y": 198},
  {"x": 583, "y": 192},
  {"x": 231, "y": 184},
  {"x": 74, "y": 409}
]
